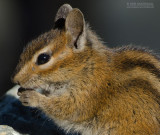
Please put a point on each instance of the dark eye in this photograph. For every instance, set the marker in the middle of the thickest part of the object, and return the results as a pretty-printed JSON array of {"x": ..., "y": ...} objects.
[{"x": 43, "y": 58}]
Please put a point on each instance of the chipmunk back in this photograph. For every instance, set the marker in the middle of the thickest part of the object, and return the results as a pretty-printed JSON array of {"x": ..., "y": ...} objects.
[{"x": 88, "y": 87}]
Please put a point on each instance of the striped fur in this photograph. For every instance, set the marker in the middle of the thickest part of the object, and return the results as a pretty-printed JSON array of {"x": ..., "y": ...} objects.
[{"x": 93, "y": 90}]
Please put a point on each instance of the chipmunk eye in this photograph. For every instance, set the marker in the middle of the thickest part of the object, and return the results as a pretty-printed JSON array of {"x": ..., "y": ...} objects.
[{"x": 43, "y": 58}]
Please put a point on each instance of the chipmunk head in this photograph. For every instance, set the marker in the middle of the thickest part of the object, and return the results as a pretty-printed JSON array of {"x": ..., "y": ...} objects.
[{"x": 56, "y": 55}]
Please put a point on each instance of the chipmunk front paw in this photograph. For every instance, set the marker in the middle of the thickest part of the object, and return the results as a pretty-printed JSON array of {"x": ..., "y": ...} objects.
[{"x": 29, "y": 98}]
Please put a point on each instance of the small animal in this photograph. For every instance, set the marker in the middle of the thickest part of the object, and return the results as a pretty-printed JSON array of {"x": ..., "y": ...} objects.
[{"x": 87, "y": 87}]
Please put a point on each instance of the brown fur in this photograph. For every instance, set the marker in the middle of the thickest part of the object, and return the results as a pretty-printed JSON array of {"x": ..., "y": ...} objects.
[{"x": 90, "y": 88}]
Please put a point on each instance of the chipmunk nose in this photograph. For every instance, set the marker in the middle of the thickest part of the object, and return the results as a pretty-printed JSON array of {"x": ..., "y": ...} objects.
[
  {"x": 17, "y": 83},
  {"x": 14, "y": 80}
]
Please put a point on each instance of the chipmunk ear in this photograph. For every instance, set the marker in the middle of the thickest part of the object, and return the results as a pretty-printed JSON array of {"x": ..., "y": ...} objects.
[
  {"x": 75, "y": 29},
  {"x": 61, "y": 16}
]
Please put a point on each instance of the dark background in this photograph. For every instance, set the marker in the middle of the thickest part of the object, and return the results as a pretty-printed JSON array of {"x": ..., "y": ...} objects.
[{"x": 23, "y": 20}]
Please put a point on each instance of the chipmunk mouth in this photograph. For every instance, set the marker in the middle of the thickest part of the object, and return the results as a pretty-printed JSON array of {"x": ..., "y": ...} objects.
[
  {"x": 42, "y": 91},
  {"x": 56, "y": 88},
  {"x": 21, "y": 89}
]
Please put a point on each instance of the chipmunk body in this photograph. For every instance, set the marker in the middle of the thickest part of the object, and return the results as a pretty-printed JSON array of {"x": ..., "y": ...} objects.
[{"x": 87, "y": 87}]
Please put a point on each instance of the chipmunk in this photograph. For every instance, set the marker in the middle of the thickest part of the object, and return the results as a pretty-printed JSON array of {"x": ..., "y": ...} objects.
[{"x": 87, "y": 87}]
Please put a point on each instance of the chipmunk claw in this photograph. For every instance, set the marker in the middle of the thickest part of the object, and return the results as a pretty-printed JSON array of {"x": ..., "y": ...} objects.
[{"x": 29, "y": 98}]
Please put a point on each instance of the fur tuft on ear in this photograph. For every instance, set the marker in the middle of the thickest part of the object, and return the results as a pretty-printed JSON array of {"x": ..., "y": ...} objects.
[
  {"x": 75, "y": 29},
  {"x": 61, "y": 16},
  {"x": 63, "y": 12}
]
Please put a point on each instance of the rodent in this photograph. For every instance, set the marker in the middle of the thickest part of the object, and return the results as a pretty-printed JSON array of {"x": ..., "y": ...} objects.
[{"x": 87, "y": 87}]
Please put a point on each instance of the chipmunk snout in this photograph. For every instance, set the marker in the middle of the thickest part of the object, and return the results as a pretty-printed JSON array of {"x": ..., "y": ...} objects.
[{"x": 14, "y": 80}]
